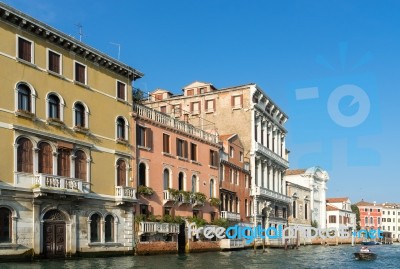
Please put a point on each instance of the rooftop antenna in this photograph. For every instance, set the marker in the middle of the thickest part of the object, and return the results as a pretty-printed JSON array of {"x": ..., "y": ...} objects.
[
  {"x": 79, "y": 25},
  {"x": 119, "y": 48}
]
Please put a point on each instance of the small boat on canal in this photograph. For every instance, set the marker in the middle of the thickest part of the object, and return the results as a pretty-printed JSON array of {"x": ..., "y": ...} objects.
[{"x": 365, "y": 254}]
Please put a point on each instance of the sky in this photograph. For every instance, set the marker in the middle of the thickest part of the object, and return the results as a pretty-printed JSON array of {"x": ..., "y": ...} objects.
[{"x": 331, "y": 66}]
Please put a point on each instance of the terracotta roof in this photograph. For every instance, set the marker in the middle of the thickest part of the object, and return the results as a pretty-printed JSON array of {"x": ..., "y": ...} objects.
[
  {"x": 225, "y": 136},
  {"x": 295, "y": 172},
  {"x": 336, "y": 200},
  {"x": 363, "y": 203},
  {"x": 331, "y": 208}
]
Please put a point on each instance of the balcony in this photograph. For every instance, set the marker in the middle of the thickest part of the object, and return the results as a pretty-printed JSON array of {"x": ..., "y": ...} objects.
[
  {"x": 231, "y": 243},
  {"x": 272, "y": 155},
  {"x": 43, "y": 184},
  {"x": 154, "y": 115},
  {"x": 156, "y": 227},
  {"x": 224, "y": 156},
  {"x": 167, "y": 197},
  {"x": 230, "y": 216},
  {"x": 271, "y": 195},
  {"x": 125, "y": 194}
]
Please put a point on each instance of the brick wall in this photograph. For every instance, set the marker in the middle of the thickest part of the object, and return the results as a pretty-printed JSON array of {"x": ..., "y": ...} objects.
[
  {"x": 202, "y": 246},
  {"x": 156, "y": 248}
]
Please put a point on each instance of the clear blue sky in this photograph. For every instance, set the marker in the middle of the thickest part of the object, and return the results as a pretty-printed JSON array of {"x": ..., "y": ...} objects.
[{"x": 286, "y": 47}]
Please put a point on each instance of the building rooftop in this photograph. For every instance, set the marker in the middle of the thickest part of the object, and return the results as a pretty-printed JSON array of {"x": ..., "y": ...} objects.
[
  {"x": 295, "y": 172},
  {"x": 337, "y": 200},
  {"x": 331, "y": 208}
]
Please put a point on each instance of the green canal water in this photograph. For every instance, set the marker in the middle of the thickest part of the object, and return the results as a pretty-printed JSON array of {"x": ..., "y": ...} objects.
[{"x": 305, "y": 257}]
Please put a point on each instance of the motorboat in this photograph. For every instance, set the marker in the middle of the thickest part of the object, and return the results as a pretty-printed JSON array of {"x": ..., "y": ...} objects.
[
  {"x": 365, "y": 254},
  {"x": 370, "y": 243}
]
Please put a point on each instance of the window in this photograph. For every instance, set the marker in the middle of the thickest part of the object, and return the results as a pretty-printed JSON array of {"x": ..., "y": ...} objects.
[
  {"x": 181, "y": 179},
  {"x": 231, "y": 152},
  {"x": 284, "y": 213},
  {"x": 121, "y": 126},
  {"x": 54, "y": 107},
  {"x": 276, "y": 212},
  {"x": 177, "y": 110},
  {"x": 202, "y": 90},
  {"x": 241, "y": 156},
  {"x": 195, "y": 107},
  {"x": 212, "y": 186},
  {"x": 80, "y": 73},
  {"x": 213, "y": 158},
  {"x": 25, "y": 49},
  {"x": 189, "y": 92},
  {"x": 166, "y": 179},
  {"x": 158, "y": 96},
  {"x": 142, "y": 175},
  {"x": 54, "y": 62},
  {"x": 370, "y": 210},
  {"x": 121, "y": 90},
  {"x": 294, "y": 210},
  {"x": 167, "y": 211},
  {"x": 193, "y": 152},
  {"x": 166, "y": 143},
  {"x": 181, "y": 148},
  {"x": 237, "y": 177},
  {"x": 144, "y": 137},
  {"x": 332, "y": 219},
  {"x": 80, "y": 165},
  {"x": 5, "y": 225},
  {"x": 210, "y": 105},
  {"x": 379, "y": 210},
  {"x": 163, "y": 109},
  {"x": 246, "y": 181},
  {"x": 237, "y": 101},
  {"x": 246, "y": 207},
  {"x": 45, "y": 158},
  {"x": 366, "y": 220},
  {"x": 109, "y": 228},
  {"x": 306, "y": 211},
  {"x": 79, "y": 115},
  {"x": 24, "y": 97},
  {"x": 63, "y": 162},
  {"x": 194, "y": 183},
  {"x": 25, "y": 156},
  {"x": 232, "y": 174},
  {"x": 95, "y": 228},
  {"x": 121, "y": 173}
]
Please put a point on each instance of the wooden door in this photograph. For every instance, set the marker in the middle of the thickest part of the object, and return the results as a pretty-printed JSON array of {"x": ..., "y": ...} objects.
[{"x": 54, "y": 239}]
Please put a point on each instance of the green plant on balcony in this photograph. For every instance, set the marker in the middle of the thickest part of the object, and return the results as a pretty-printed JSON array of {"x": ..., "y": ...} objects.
[
  {"x": 215, "y": 201},
  {"x": 200, "y": 222},
  {"x": 220, "y": 222},
  {"x": 198, "y": 198},
  {"x": 144, "y": 190},
  {"x": 185, "y": 196},
  {"x": 174, "y": 193}
]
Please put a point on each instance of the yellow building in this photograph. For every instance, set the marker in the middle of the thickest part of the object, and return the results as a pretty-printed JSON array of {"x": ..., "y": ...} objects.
[{"x": 65, "y": 146}]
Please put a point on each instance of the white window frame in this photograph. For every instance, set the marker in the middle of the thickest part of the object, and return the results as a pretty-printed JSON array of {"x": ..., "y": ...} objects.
[
  {"x": 33, "y": 96},
  {"x": 86, "y": 72},
  {"x": 62, "y": 105},
  {"x": 32, "y": 61},
  {"x": 87, "y": 112},
  {"x": 126, "y": 128}
]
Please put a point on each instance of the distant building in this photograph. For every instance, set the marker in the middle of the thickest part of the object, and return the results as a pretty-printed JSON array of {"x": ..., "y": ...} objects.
[
  {"x": 370, "y": 215},
  {"x": 391, "y": 219},
  {"x": 315, "y": 179},
  {"x": 300, "y": 213},
  {"x": 339, "y": 214}
]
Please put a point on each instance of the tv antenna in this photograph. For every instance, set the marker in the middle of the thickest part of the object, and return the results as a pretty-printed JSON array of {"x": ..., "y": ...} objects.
[
  {"x": 119, "y": 48},
  {"x": 79, "y": 25}
]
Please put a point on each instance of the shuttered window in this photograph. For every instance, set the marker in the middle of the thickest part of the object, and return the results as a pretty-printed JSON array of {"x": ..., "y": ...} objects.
[
  {"x": 181, "y": 148},
  {"x": 80, "y": 73},
  {"x": 54, "y": 62},
  {"x": 24, "y": 97},
  {"x": 166, "y": 146},
  {"x": 121, "y": 128},
  {"x": 45, "y": 159},
  {"x": 121, "y": 90},
  {"x": 63, "y": 162},
  {"x": 121, "y": 173},
  {"x": 237, "y": 101},
  {"x": 210, "y": 105},
  {"x": 25, "y": 49},
  {"x": 25, "y": 156},
  {"x": 80, "y": 165}
]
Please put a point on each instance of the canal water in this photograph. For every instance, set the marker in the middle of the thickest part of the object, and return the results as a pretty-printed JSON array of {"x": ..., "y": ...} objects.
[{"x": 305, "y": 257}]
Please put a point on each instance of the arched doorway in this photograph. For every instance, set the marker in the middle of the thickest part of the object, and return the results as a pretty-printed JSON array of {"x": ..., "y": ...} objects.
[{"x": 54, "y": 229}]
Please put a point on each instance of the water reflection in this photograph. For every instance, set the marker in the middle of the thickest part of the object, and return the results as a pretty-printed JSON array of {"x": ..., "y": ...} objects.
[{"x": 309, "y": 257}]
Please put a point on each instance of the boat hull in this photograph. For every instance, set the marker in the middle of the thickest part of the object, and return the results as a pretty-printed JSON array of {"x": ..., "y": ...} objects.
[{"x": 368, "y": 256}]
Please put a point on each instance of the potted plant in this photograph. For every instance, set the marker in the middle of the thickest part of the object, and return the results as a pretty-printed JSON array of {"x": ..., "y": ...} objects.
[
  {"x": 144, "y": 190},
  {"x": 215, "y": 201}
]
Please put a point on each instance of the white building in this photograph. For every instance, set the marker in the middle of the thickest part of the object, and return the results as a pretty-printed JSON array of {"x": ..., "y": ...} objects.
[
  {"x": 339, "y": 214},
  {"x": 316, "y": 179},
  {"x": 391, "y": 219}
]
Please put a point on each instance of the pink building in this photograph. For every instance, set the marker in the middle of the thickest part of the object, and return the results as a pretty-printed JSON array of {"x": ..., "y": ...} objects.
[{"x": 370, "y": 215}]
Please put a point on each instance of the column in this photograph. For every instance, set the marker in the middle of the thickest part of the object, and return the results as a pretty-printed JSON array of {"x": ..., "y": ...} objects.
[
  {"x": 278, "y": 144},
  {"x": 37, "y": 228},
  {"x": 259, "y": 126},
  {"x": 265, "y": 175},
  {"x": 259, "y": 172},
  {"x": 55, "y": 163},
  {"x": 35, "y": 160},
  {"x": 270, "y": 133},
  {"x": 283, "y": 151},
  {"x": 271, "y": 177}
]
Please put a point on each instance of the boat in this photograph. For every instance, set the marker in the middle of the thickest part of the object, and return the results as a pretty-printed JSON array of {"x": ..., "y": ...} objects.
[
  {"x": 370, "y": 243},
  {"x": 366, "y": 256}
]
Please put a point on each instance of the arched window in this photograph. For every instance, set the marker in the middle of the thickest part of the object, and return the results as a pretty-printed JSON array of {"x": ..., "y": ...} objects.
[
  {"x": 25, "y": 156},
  {"x": 180, "y": 181},
  {"x": 120, "y": 128},
  {"x": 80, "y": 165},
  {"x": 294, "y": 210},
  {"x": 80, "y": 115},
  {"x": 166, "y": 179},
  {"x": 212, "y": 193},
  {"x": 366, "y": 220},
  {"x": 194, "y": 183},
  {"x": 109, "y": 228},
  {"x": 5, "y": 225},
  {"x": 54, "y": 107},
  {"x": 121, "y": 173},
  {"x": 45, "y": 158},
  {"x": 371, "y": 220},
  {"x": 142, "y": 174},
  {"x": 63, "y": 162},
  {"x": 95, "y": 228},
  {"x": 24, "y": 97},
  {"x": 306, "y": 211}
]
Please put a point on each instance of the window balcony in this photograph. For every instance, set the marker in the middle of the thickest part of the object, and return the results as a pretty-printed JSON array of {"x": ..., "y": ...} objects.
[
  {"x": 231, "y": 243},
  {"x": 43, "y": 184},
  {"x": 271, "y": 155},
  {"x": 260, "y": 191},
  {"x": 156, "y": 227},
  {"x": 230, "y": 216},
  {"x": 167, "y": 196},
  {"x": 125, "y": 194}
]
